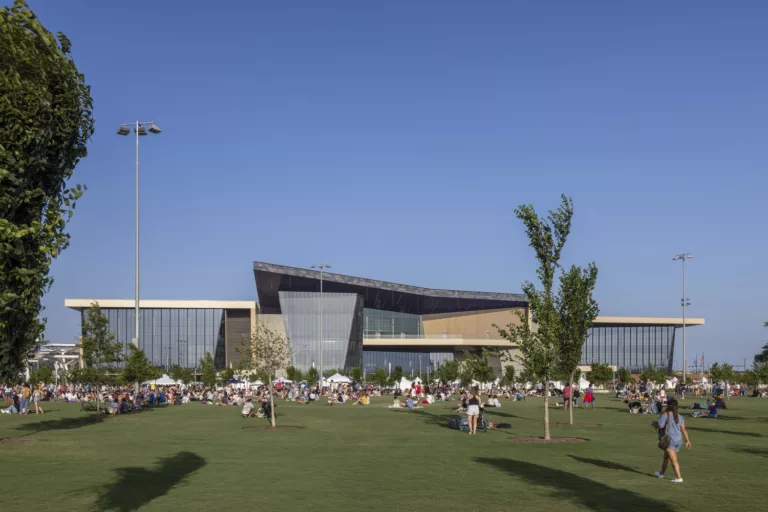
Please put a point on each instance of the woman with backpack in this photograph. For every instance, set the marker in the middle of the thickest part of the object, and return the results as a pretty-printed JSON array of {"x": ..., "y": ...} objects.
[{"x": 671, "y": 427}]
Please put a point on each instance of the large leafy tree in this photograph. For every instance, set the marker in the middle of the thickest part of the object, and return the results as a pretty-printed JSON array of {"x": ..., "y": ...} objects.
[
  {"x": 448, "y": 371},
  {"x": 266, "y": 351},
  {"x": 138, "y": 369},
  {"x": 624, "y": 375},
  {"x": 475, "y": 367},
  {"x": 657, "y": 375},
  {"x": 312, "y": 376},
  {"x": 46, "y": 113},
  {"x": 539, "y": 347},
  {"x": 722, "y": 372},
  {"x": 600, "y": 373},
  {"x": 208, "y": 369},
  {"x": 101, "y": 351},
  {"x": 577, "y": 309}
]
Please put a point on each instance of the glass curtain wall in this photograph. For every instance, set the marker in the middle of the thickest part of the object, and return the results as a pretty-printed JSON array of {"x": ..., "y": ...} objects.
[
  {"x": 631, "y": 347},
  {"x": 411, "y": 362},
  {"x": 169, "y": 336},
  {"x": 391, "y": 324},
  {"x": 301, "y": 313}
]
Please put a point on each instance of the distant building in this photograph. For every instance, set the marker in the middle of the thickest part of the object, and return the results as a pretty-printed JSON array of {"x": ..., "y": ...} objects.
[{"x": 365, "y": 323}]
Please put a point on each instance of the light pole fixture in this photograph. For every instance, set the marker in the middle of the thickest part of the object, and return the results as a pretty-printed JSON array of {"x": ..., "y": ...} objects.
[
  {"x": 140, "y": 128},
  {"x": 684, "y": 302},
  {"x": 322, "y": 267}
]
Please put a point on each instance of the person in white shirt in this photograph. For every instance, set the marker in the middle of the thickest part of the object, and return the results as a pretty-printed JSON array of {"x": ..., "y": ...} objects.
[{"x": 248, "y": 409}]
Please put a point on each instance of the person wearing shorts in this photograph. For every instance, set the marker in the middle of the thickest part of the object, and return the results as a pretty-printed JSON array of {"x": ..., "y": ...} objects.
[
  {"x": 473, "y": 409},
  {"x": 26, "y": 392},
  {"x": 672, "y": 424}
]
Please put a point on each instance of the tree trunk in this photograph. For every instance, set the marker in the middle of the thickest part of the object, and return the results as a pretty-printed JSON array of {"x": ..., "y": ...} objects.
[
  {"x": 570, "y": 383},
  {"x": 546, "y": 410},
  {"x": 272, "y": 403}
]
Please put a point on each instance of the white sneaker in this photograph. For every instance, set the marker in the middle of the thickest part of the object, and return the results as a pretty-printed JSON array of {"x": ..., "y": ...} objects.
[
  {"x": 677, "y": 481},
  {"x": 658, "y": 475}
]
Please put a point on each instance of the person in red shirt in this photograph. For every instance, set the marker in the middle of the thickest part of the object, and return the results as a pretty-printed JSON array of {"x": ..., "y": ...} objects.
[{"x": 566, "y": 397}]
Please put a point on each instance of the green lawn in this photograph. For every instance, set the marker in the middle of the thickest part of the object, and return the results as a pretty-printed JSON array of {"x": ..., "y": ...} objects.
[{"x": 358, "y": 458}]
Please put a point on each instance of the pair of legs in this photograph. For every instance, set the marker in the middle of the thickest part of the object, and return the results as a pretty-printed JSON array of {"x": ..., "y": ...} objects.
[
  {"x": 473, "y": 423},
  {"x": 670, "y": 455},
  {"x": 38, "y": 409}
]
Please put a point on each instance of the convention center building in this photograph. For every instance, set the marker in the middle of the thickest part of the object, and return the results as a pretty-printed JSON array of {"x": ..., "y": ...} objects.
[{"x": 365, "y": 323}]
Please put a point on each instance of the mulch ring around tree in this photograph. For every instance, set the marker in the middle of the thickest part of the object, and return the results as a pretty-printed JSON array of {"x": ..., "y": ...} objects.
[
  {"x": 269, "y": 427},
  {"x": 541, "y": 440},
  {"x": 16, "y": 440},
  {"x": 577, "y": 425}
]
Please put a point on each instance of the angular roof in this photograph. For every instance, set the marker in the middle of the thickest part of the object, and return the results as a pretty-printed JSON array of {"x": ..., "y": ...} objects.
[{"x": 271, "y": 278}]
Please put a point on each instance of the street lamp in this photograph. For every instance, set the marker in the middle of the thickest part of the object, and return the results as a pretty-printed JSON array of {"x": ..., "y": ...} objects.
[
  {"x": 685, "y": 302},
  {"x": 322, "y": 267},
  {"x": 140, "y": 128}
]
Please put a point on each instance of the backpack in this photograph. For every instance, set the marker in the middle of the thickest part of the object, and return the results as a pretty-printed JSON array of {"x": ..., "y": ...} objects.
[
  {"x": 664, "y": 439},
  {"x": 464, "y": 426},
  {"x": 453, "y": 423}
]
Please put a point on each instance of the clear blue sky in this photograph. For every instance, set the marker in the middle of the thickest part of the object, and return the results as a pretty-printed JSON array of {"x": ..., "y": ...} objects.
[{"x": 395, "y": 139}]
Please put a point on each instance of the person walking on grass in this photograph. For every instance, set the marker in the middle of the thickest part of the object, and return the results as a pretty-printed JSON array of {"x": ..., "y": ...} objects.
[
  {"x": 473, "y": 409},
  {"x": 26, "y": 393},
  {"x": 37, "y": 395},
  {"x": 671, "y": 424},
  {"x": 566, "y": 397}
]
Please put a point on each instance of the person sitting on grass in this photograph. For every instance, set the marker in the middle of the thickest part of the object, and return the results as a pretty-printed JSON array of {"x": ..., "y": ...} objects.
[
  {"x": 249, "y": 411},
  {"x": 396, "y": 404},
  {"x": 14, "y": 407},
  {"x": 363, "y": 400},
  {"x": 493, "y": 402},
  {"x": 711, "y": 412}
]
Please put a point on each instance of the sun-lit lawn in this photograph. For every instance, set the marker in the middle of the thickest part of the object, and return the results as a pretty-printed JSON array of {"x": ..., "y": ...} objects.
[{"x": 359, "y": 458}]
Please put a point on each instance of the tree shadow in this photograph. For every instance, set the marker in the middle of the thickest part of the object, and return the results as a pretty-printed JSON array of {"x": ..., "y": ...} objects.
[
  {"x": 434, "y": 419},
  {"x": 493, "y": 412},
  {"x": 721, "y": 431},
  {"x": 62, "y": 424},
  {"x": 136, "y": 487},
  {"x": 574, "y": 488},
  {"x": 753, "y": 451},
  {"x": 607, "y": 464}
]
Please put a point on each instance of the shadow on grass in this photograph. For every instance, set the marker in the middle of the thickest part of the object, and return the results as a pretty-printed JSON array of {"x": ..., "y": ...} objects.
[
  {"x": 62, "y": 424},
  {"x": 574, "y": 488},
  {"x": 607, "y": 464},
  {"x": 136, "y": 487},
  {"x": 721, "y": 431},
  {"x": 493, "y": 412},
  {"x": 753, "y": 451},
  {"x": 434, "y": 419}
]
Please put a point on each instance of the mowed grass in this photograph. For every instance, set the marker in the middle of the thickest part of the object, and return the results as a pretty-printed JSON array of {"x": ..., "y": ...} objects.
[{"x": 196, "y": 457}]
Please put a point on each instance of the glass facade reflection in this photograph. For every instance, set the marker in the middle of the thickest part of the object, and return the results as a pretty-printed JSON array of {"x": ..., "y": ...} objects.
[
  {"x": 410, "y": 361},
  {"x": 390, "y": 324},
  {"x": 170, "y": 336},
  {"x": 341, "y": 329},
  {"x": 631, "y": 347}
]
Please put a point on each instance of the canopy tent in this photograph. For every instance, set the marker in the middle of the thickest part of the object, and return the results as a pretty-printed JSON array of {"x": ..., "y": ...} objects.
[
  {"x": 165, "y": 380},
  {"x": 283, "y": 380},
  {"x": 256, "y": 383},
  {"x": 339, "y": 379},
  {"x": 405, "y": 384},
  {"x": 417, "y": 380}
]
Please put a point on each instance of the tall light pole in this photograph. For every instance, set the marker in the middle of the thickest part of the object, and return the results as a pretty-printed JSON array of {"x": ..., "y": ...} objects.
[
  {"x": 685, "y": 302},
  {"x": 322, "y": 267},
  {"x": 140, "y": 128}
]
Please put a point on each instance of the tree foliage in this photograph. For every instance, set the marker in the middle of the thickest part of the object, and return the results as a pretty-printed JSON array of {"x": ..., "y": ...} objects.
[
  {"x": 312, "y": 376},
  {"x": 47, "y": 119},
  {"x": 208, "y": 369},
  {"x": 44, "y": 374},
  {"x": 509, "y": 375},
  {"x": 379, "y": 377},
  {"x": 356, "y": 374},
  {"x": 448, "y": 372},
  {"x": 657, "y": 375},
  {"x": 624, "y": 375},
  {"x": 266, "y": 351},
  {"x": 475, "y": 367},
  {"x": 577, "y": 309},
  {"x": 225, "y": 375},
  {"x": 762, "y": 357},
  {"x": 600, "y": 373},
  {"x": 397, "y": 374},
  {"x": 137, "y": 367},
  {"x": 181, "y": 374},
  {"x": 101, "y": 351},
  {"x": 539, "y": 348}
]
